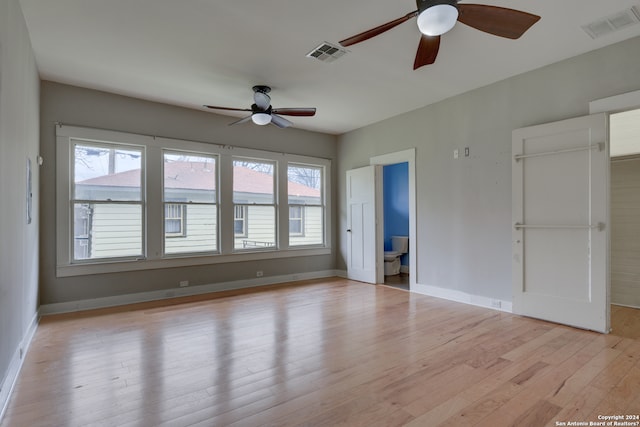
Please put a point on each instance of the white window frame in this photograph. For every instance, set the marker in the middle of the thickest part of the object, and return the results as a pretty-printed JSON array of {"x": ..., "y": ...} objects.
[
  {"x": 324, "y": 200},
  {"x": 154, "y": 213},
  {"x": 258, "y": 245},
  {"x": 186, "y": 203}
]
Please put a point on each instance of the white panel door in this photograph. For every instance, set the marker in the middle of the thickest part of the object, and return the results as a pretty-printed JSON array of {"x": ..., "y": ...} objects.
[
  {"x": 364, "y": 231},
  {"x": 560, "y": 207}
]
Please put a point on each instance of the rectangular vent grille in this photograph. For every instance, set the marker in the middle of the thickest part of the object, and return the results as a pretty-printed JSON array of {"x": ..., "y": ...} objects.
[
  {"x": 326, "y": 52},
  {"x": 613, "y": 23}
]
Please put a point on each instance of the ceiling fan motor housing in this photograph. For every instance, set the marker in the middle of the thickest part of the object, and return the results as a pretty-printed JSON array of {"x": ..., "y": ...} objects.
[
  {"x": 262, "y": 89},
  {"x": 426, "y": 4},
  {"x": 256, "y": 109}
]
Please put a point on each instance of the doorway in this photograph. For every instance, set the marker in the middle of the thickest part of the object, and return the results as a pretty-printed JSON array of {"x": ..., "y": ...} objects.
[
  {"x": 624, "y": 128},
  {"x": 407, "y": 157},
  {"x": 395, "y": 184}
]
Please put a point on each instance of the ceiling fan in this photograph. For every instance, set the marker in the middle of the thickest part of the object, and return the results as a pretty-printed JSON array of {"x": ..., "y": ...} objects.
[
  {"x": 436, "y": 17},
  {"x": 262, "y": 113}
]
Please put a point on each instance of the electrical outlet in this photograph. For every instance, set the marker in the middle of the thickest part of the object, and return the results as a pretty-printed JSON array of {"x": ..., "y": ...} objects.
[
  {"x": 184, "y": 283},
  {"x": 259, "y": 273},
  {"x": 466, "y": 151}
]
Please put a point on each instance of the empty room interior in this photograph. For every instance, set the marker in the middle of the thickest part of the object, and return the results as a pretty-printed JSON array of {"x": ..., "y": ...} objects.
[{"x": 319, "y": 213}]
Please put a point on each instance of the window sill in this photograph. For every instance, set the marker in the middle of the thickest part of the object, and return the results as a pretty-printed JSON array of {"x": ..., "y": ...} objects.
[{"x": 85, "y": 269}]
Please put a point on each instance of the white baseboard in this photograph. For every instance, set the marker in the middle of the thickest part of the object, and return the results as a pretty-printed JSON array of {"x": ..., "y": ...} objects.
[
  {"x": 89, "y": 304},
  {"x": 15, "y": 365},
  {"x": 457, "y": 296},
  {"x": 463, "y": 297},
  {"x": 625, "y": 305}
]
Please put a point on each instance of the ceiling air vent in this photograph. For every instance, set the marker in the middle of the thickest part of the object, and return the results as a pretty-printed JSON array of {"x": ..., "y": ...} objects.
[
  {"x": 327, "y": 52},
  {"x": 613, "y": 23}
]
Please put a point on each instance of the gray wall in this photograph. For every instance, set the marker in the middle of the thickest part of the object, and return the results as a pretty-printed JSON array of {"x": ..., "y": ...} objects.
[
  {"x": 19, "y": 88},
  {"x": 464, "y": 205},
  {"x": 83, "y": 107}
]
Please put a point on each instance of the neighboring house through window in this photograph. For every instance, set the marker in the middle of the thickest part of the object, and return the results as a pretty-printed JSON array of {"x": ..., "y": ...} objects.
[
  {"x": 296, "y": 221},
  {"x": 174, "y": 220},
  {"x": 112, "y": 215},
  {"x": 240, "y": 221}
]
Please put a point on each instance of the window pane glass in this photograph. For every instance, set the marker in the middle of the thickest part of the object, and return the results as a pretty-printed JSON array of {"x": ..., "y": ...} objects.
[
  {"x": 189, "y": 178},
  {"x": 239, "y": 223},
  {"x": 174, "y": 219},
  {"x": 305, "y": 184},
  {"x": 107, "y": 230},
  {"x": 307, "y": 228},
  {"x": 195, "y": 231},
  {"x": 103, "y": 173},
  {"x": 253, "y": 182},
  {"x": 260, "y": 228}
]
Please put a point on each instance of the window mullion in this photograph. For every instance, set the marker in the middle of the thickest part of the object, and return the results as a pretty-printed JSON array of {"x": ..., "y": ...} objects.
[
  {"x": 282, "y": 211},
  {"x": 227, "y": 237},
  {"x": 155, "y": 207}
]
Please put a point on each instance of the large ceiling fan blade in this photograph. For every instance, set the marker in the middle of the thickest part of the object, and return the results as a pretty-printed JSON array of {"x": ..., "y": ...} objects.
[
  {"x": 495, "y": 20},
  {"x": 227, "y": 108},
  {"x": 299, "y": 112},
  {"x": 366, "y": 35},
  {"x": 242, "y": 120},
  {"x": 281, "y": 122},
  {"x": 427, "y": 51}
]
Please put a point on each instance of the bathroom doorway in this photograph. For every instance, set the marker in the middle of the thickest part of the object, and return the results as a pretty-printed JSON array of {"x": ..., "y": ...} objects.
[
  {"x": 408, "y": 157},
  {"x": 396, "y": 224}
]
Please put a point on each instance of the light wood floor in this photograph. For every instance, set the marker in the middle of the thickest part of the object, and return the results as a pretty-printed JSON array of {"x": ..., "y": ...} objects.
[
  {"x": 319, "y": 353},
  {"x": 625, "y": 321}
]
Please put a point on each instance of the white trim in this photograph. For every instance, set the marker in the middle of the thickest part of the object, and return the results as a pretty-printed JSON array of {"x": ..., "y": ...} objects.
[
  {"x": 182, "y": 261},
  {"x": 463, "y": 297},
  {"x": 626, "y": 305},
  {"x": 117, "y": 300},
  {"x": 405, "y": 156},
  {"x": 15, "y": 365},
  {"x": 452, "y": 295},
  {"x": 612, "y": 104}
]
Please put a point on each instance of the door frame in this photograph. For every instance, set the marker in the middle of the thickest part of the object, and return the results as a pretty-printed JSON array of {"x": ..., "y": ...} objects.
[
  {"x": 404, "y": 156},
  {"x": 610, "y": 105}
]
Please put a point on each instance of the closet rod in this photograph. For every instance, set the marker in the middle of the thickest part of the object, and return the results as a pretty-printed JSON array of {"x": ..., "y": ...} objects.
[
  {"x": 599, "y": 146},
  {"x": 599, "y": 226}
]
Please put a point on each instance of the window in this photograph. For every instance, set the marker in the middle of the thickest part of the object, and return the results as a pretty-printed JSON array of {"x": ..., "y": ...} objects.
[
  {"x": 239, "y": 221},
  {"x": 190, "y": 179},
  {"x": 107, "y": 201},
  {"x": 306, "y": 204},
  {"x": 127, "y": 202},
  {"x": 296, "y": 221},
  {"x": 254, "y": 197},
  {"x": 174, "y": 220}
]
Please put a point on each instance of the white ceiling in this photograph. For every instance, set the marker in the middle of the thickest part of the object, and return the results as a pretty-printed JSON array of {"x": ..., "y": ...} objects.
[{"x": 195, "y": 52}]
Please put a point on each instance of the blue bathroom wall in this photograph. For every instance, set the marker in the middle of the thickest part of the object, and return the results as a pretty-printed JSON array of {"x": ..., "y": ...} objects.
[{"x": 396, "y": 203}]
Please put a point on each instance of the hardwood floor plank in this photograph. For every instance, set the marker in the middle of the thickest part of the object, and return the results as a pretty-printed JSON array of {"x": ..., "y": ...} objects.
[{"x": 318, "y": 353}]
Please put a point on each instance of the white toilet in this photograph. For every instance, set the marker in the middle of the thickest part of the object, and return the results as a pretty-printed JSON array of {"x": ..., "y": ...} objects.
[{"x": 399, "y": 247}]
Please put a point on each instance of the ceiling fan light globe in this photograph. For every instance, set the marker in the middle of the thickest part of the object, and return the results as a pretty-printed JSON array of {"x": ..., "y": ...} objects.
[
  {"x": 261, "y": 118},
  {"x": 438, "y": 19}
]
